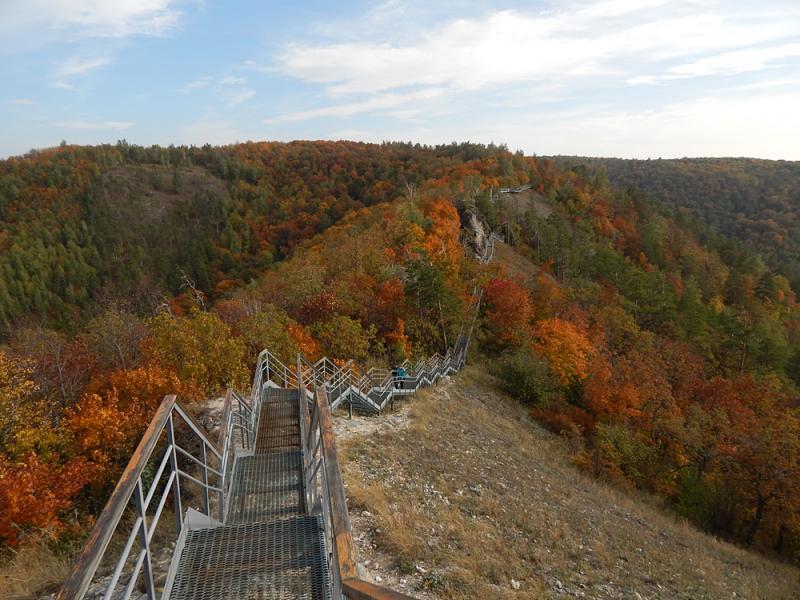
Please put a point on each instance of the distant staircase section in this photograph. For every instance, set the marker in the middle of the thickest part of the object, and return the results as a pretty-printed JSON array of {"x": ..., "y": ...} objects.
[
  {"x": 258, "y": 513},
  {"x": 371, "y": 390}
]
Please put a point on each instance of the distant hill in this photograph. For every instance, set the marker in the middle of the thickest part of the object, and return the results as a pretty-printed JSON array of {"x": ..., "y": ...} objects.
[{"x": 754, "y": 201}]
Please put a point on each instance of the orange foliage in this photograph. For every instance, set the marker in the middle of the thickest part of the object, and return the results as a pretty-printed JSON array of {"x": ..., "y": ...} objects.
[
  {"x": 390, "y": 302},
  {"x": 231, "y": 311},
  {"x": 569, "y": 419},
  {"x": 306, "y": 344},
  {"x": 441, "y": 238},
  {"x": 509, "y": 312},
  {"x": 548, "y": 297},
  {"x": 104, "y": 432},
  {"x": 319, "y": 307},
  {"x": 566, "y": 348},
  {"x": 398, "y": 338},
  {"x": 147, "y": 386},
  {"x": 34, "y": 495}
]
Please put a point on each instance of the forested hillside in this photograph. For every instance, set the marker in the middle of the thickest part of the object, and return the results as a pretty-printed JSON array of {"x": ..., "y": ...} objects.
[
  {"x": 82, "y": 223},
  {"x": 670, "y": 361},
  {"x": 756, "y": 202}
]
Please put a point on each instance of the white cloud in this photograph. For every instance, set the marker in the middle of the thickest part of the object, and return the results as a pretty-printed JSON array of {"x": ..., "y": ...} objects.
[
  {"x": 108, "y": 125},
  {"x": 725, "y": 63},
  {"x": 232, "y": 80},
  {"x": 508, "y": 47},
  {"x": 21, "y": 101},
  {"x": 762, "y": 125},
  {"x": 617, "y": 8},
  {"x": 239, "y": 96},
  {"x": 758, "y": 125},
  {"x": 82, "y": 66},
  {"x": 35, "y": 22},
  {"x": 379, "y": 103},
  {"x": 233, "y": 89},
  {"x": 78, "y": 67},
  {"x": 499, "y": 74},
  {"x": 209, "y": 131},
  {"x": 739, "y": 61},
  {"x": 199, "y": 84}
]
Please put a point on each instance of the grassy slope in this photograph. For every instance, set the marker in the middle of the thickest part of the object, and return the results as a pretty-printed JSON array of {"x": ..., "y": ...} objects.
[{"x": 478, "y": 494}]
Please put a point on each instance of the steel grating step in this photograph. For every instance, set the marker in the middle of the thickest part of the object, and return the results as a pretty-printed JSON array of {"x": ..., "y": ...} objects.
[
  {"x": 276, "y": 561},
  {"x": 266, "y": 487},
  {"x": 279, "y": 422}
]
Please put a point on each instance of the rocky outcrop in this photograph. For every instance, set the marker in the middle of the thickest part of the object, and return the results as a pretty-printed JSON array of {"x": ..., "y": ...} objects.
[{"x": 474, "y": 232}]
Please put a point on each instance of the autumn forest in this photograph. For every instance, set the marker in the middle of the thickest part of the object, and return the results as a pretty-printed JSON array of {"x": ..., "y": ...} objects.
[{"x": 654, "y": 328}]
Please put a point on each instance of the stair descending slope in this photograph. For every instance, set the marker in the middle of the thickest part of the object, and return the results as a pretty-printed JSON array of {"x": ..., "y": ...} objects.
[{"x": 269, "y": 546}]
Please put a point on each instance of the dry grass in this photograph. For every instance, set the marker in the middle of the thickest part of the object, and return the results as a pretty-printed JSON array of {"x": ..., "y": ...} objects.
[
  {"x": 517, "y": 266},
  {"x": 32, "y": 572},
  {"x": 473, "y": 494}
]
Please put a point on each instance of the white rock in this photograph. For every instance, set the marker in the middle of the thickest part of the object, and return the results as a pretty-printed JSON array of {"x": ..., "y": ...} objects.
[{"x": 515, "y": 584}]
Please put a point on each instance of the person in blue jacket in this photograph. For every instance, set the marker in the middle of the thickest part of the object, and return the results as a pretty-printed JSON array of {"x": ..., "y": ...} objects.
[{"x": 399, "y": 381}]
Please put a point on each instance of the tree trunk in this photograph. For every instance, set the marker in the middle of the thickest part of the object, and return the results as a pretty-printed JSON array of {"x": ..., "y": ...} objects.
[
  {"x": 444, "y": 328},
  {"x": 781, "y": 538},
  {"x": 753, "y": 529}
]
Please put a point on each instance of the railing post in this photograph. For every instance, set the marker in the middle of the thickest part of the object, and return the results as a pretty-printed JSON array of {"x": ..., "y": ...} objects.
[
  {"x": 176, "y": 485},
  {"x": 144, "y": 540},
  {"x": 342, "y": 541},
  {"x": 206, "y": 503}
]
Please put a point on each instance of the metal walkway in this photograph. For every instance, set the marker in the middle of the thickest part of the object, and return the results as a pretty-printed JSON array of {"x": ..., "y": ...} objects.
[{"x": 269, "y": 546}]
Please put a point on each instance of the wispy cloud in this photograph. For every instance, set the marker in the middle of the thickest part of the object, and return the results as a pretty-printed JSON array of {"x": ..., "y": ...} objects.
[
  {"x": 27, "y": 23},
  {"x": 725, "y": 63},
  {"x": 499, "y": 67},
  {"x": 232, "y": 88},
  {"x": 762, "y": 124},
  {"x": 209, "y": 131},
  {"x": 507, "y": 47},
  {"x": 108, "y": 125},
  {"x": 76, "y": 67},
  {"x": 381, "y": 103},
  {"x": 20, "y": 101}
]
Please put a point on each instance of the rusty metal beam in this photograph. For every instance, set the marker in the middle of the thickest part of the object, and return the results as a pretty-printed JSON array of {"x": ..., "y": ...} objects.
[
  {"x": 343, "y": 538},
  {"x": 358, "y": 589}
]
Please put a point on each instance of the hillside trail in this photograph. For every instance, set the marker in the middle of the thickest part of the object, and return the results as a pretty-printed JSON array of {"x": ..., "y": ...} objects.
[
  {"x": 378, "y": 565},
  {"x": 460, "y": 494}
]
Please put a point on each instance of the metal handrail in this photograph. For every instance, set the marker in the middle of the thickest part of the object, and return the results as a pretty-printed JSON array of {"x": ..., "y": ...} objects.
[
  {"x": 325, "y": 496},
  {"x": 132, "y": 486}
]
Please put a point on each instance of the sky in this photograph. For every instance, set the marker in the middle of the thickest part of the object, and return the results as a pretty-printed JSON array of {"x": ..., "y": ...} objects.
[{"x": 627, "y": 78}]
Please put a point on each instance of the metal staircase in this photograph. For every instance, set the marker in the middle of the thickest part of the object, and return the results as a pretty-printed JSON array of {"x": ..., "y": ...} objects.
[
  {"x": 271, "y": 545},
  {"x": 261, "y": 511}
]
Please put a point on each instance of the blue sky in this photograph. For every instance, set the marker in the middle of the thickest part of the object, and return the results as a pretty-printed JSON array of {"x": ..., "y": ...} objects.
[{"x": 630, "y": 78}]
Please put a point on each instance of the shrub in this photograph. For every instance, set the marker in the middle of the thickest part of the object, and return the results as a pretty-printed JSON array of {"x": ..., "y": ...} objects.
[{"x": 526, "y": 376}]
